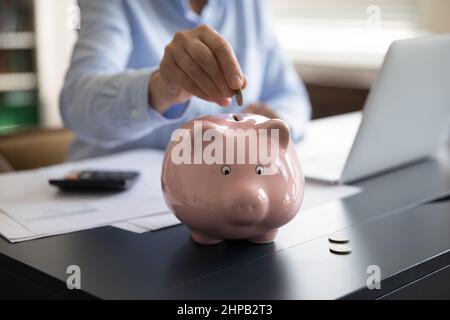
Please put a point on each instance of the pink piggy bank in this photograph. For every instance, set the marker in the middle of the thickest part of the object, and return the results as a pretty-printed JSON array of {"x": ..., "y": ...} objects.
[{"x": 233, "y": 176}]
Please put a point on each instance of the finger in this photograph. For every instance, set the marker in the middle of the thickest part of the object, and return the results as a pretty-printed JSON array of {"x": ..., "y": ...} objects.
[
  {"x": 172, "y": 74},
  {"x": 199, "y": 76},
  {"x": 208, "y": 62},
  {"x": 245, "y": 83},
  {"x": 225, "y": 56}
]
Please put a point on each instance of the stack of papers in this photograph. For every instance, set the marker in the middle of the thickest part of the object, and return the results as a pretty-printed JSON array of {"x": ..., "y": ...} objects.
[{"x": 30, "y": 208}]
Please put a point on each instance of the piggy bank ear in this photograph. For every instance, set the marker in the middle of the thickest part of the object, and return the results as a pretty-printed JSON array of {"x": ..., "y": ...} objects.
[{"x": 284, "y": 133}]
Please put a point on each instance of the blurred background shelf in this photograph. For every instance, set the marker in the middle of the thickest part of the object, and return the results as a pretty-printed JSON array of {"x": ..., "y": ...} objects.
[
  {"x": 19, "y": 87},
  {"x": 17, "y": 81},
  {"x": 17, "y": 40},
  {"x": 18, "y": 110}
]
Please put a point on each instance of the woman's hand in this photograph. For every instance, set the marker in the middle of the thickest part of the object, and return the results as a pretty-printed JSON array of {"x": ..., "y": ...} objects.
[{"x": 197, "y": 62}]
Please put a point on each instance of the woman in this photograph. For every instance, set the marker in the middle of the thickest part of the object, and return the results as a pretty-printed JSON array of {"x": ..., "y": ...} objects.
[{"x": 141, "y": 68}]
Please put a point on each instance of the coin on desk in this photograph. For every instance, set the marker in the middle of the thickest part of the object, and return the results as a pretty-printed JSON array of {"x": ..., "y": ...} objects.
[
  {"x": 338, "y": 248},
  {"x": 338, "y": 238}
]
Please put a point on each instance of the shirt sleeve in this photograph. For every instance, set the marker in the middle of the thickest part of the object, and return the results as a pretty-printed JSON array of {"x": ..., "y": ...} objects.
[
  {"x": 101, "y": 101},
  {"x": 282, "y": 91}
]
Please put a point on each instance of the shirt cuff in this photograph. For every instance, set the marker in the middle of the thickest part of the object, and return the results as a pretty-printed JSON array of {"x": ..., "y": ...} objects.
[
  {"x": 141, "y": 114},
  {"x": 175, "y": 111}
]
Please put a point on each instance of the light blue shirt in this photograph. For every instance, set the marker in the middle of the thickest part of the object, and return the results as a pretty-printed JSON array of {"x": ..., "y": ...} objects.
[{"x": 104, "y": 100}]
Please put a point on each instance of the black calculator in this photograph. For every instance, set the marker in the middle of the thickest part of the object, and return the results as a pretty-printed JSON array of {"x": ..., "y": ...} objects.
[{"x": 96, "y": 180}]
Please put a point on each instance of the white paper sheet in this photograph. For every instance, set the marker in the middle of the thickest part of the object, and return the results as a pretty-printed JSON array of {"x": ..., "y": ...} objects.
[
  {"x": 315, "y": 195},
  {"x": 14, "y": 232},
  {"x": 30, "y": 208},
  {"x": 62, "y": 213},
  {"x": 11, "y": 229},
  {"x": 128, "y": 226},
  {"x": 41, "y": 209},
  {"x": 157, "y": 221},
  {"x": 324, "y": 150}
]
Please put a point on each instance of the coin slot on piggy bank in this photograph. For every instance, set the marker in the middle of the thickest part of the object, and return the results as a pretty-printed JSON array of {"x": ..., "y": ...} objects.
[{"x": 233, "y": 177}]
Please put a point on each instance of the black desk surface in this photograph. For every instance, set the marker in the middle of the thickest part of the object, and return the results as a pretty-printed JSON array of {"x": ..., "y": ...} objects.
[{"x": 389, "y": 224}]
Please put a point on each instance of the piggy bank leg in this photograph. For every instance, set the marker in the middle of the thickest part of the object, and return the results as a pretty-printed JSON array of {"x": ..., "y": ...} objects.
[
  {"x": 204, "y": 239},
  {"x": 265, "y": 238}
]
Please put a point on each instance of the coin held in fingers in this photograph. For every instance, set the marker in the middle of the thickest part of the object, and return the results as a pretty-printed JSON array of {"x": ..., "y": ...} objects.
[{"x": 239, "y": 97}]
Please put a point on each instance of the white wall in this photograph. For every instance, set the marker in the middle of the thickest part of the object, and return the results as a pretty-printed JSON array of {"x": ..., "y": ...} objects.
[{"x": 54, "y": 41}]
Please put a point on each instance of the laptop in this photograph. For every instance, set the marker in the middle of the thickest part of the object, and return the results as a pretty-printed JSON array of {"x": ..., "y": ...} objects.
[{"x": 404, "y": 118}]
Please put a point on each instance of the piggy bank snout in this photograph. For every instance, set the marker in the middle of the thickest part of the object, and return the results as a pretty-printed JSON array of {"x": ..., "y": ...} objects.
[{"x": 248, "y": 206}]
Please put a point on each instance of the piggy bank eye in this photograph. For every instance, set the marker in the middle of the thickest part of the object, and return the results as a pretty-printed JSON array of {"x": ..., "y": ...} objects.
[
  {"x": 226, "y": 170},
  {"x": 259, "y": 170}
]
